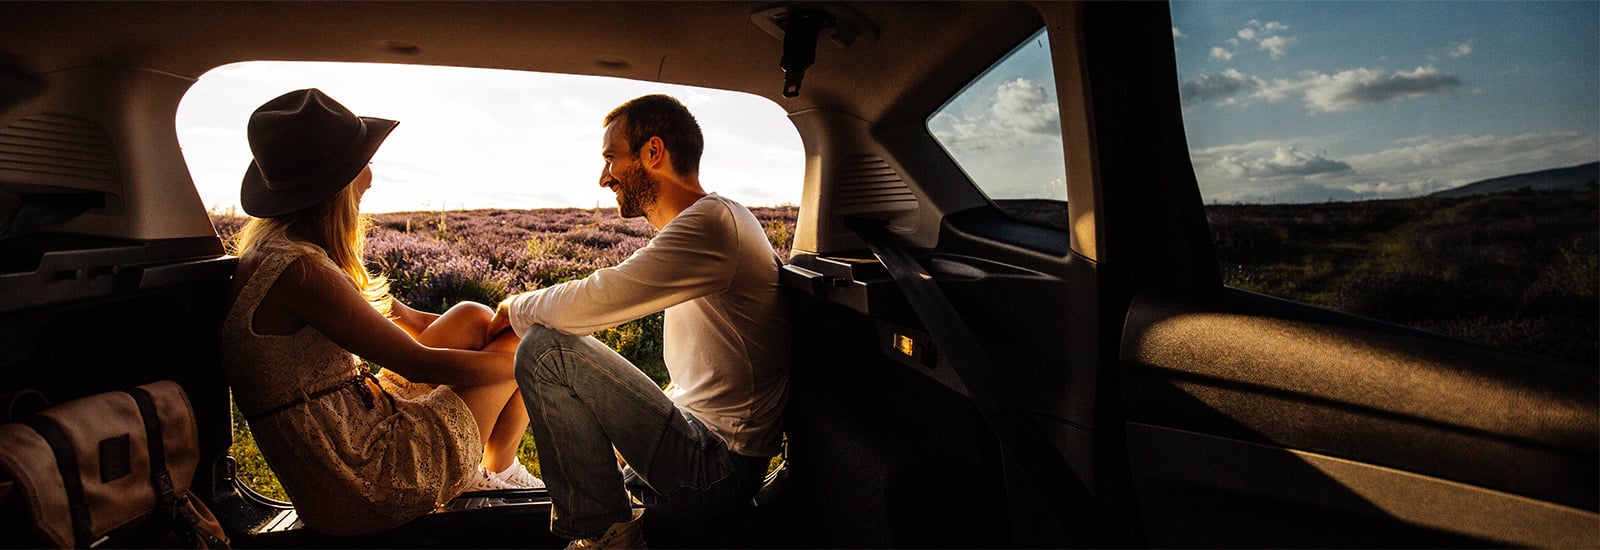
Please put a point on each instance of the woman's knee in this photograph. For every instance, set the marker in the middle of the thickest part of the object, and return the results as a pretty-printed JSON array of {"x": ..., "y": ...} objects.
[
  {"x": 461, "y": 327},
  {"x": 469, "y": 312}
]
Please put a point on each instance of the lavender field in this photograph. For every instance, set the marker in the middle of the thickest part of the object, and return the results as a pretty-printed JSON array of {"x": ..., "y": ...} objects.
[{"x": 436, "y": 259}]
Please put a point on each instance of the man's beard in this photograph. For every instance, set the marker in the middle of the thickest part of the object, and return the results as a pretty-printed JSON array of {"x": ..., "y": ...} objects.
[{"x": 639, "y": 191}]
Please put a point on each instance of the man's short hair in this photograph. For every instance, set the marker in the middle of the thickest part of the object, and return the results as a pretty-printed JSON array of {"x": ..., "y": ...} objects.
[{"x": 664, "y": 117}]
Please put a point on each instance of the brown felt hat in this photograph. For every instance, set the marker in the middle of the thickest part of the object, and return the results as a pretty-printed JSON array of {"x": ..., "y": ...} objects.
[{"x": 306, "y": 147}]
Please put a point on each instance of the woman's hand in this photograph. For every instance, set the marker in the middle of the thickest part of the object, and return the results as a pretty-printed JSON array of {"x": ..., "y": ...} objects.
[
  {"x": 413, "y": 321},
  {"x": 501, "y": 321}
]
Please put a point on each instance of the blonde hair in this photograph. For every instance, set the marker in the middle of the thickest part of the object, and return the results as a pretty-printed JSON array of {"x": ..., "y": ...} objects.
[{"x": 337, "y": 226}]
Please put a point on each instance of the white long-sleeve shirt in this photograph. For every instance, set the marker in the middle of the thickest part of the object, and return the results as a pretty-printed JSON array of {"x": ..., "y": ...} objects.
[{"x": 726, "y": 341}]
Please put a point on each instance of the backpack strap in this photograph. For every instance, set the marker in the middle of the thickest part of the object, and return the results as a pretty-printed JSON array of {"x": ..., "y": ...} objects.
[
  {"x": 160, "y": 479},
  {"x": 67, "y": 463},
  {"x": 22, "y": 404}
]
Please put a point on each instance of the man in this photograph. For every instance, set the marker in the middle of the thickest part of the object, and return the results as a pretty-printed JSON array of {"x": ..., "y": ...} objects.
[{"x": 705, "y": 443}]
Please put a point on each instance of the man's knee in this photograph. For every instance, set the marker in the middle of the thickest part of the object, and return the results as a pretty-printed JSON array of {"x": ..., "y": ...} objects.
[
  {"x": 533, "y": 353},
  {"x": 539, "y": 338}
]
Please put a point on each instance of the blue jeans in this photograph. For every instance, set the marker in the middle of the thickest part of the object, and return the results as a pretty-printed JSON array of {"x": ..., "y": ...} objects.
[{"x": 584, "y": 400}]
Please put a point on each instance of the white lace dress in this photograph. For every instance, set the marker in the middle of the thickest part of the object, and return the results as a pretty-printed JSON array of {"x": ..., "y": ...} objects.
[{"x": 356, "y": 454}]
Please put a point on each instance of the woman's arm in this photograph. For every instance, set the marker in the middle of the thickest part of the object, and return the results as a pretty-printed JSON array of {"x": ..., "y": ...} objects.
[{"x": 326, "y": 299}]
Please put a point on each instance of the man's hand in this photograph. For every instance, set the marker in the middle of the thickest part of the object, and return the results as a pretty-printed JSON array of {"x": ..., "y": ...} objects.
[{"x": 501, "y": 321}]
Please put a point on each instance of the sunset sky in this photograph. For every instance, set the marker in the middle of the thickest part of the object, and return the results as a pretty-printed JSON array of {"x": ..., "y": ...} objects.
[{"x": 477, "y": 138}]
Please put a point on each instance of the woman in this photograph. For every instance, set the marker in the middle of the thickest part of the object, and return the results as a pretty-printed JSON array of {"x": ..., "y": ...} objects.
[{"x": 356, "y": 452}]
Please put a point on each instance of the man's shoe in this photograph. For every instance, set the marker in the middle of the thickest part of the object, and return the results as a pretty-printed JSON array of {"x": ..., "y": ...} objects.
[{"x": 622, "y": 534}]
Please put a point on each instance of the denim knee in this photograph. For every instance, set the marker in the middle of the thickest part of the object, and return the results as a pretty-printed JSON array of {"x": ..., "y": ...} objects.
[
  {"x": 538, "y": 341},
  {"x": 539, "y": 338}
]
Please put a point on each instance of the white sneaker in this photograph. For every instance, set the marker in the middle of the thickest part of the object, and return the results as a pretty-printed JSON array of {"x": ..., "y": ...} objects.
[
  {"x": 485, "y": 481},
  {"x": 622, "y": 534},
  {"x": 517, "y": 476}
]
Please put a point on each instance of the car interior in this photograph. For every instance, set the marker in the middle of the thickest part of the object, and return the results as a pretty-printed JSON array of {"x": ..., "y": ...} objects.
[{"x": 962, "y": 375}]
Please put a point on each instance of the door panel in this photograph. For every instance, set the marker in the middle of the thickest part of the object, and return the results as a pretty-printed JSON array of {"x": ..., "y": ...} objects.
[
  {"x": 1304, "y": 426},
  {"x": 880, "y": 452},
  {"x": 874, "y": 432}
]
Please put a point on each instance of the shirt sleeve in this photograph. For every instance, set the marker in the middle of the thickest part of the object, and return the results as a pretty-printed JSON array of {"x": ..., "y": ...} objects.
[{"x": 693, "y": 256}]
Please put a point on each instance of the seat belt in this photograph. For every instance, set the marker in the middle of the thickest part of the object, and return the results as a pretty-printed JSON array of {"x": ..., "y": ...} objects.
[{"x": 1021, "y": 440}]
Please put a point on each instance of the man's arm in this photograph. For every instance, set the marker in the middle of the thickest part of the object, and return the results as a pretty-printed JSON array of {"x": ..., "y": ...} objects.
[{"x": 693, "y": 256}]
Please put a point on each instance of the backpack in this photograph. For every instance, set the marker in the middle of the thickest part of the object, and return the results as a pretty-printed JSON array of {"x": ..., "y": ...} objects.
[{"x": 108, "y": 469}]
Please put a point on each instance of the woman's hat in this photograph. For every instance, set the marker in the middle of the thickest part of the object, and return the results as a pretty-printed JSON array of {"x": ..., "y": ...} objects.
[{"x": 307, "y": 147}]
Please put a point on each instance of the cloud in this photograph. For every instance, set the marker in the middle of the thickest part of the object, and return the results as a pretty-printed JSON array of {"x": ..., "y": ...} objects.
[
  {"x": 1285, "y": 161},
  {"x": 1461, "y": 50},
  {"x": 1025, "y": 106},
  {"x": 1322, "y": 93},
  {"x": 1270, "y": 171},
  {"x": 1432, "y": 163},
  {"x": 1265, "y": 36},
  {"x": 1281, "y": 171},
  {"x": 1354, "y": 88},
  {"x": 1008, "y": 142},
  {"x": 1021, "y": 113},
  {"x": 1276, "y": 46},
  {"x": 1177, "y": 33},
  {"x": 1217, "y": 87}
]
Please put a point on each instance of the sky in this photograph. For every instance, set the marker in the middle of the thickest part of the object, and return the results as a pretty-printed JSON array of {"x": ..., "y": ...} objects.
[
  {"x": 1315, "y": 101},
  {"x": 1282, "y": 102},
  {"x": 480, "y": 138},
  {"x": 1004, "y": 128}
]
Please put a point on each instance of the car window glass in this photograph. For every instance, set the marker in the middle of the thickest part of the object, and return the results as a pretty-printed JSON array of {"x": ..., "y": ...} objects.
[
  {"x": 1004, "y": 130},
  {"x": 1429, "y": 164}
]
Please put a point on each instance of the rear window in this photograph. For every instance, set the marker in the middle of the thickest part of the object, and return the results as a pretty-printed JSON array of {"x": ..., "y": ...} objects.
[
  {"x": 481, "y": 138},
  {"x": 489, "y": 186},
  {"x": 1432, "y": 164},
  {"x": 1004, "y": 130}
]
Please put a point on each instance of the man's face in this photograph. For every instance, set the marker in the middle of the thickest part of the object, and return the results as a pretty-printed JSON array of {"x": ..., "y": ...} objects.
[{"x": 636, "y": 188}]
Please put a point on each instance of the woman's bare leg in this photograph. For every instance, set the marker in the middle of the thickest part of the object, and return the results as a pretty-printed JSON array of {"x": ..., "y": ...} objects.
[
  {"x": 496, "y": 407},
  {"x": 487, "y": 402},
  {"x": 506, "y": 439}
]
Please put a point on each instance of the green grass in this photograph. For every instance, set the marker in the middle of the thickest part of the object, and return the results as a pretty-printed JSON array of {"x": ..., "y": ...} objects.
[
  {"x": 1515, "y": 269},
  {"x": 253, "y": 469}
]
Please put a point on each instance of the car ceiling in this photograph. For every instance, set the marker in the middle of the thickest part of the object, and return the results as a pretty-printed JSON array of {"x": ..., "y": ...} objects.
[{"x": 914, "y": 57}]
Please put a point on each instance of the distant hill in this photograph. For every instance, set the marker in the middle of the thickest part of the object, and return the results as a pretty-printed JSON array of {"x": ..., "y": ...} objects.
[{"x": 1572, "y": 177}]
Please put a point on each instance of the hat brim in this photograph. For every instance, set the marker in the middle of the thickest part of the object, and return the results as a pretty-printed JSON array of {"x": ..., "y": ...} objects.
[{"x": 262, "y": 202}]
